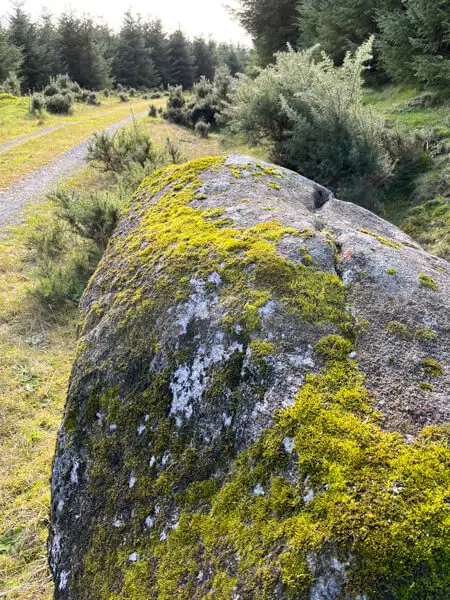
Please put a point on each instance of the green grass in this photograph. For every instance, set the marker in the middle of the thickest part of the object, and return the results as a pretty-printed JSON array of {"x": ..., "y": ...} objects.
[{"x": 419, "y": 202}]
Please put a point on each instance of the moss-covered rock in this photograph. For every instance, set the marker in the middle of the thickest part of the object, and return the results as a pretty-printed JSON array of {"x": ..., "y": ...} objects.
[{"x": 241, "y": 422}]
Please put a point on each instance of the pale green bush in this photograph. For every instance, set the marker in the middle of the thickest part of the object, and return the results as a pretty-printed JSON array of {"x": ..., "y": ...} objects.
[{"x": 310, "y": 113}]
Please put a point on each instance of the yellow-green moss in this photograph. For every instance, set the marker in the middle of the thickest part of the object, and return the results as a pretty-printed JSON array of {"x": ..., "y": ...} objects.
[
  {"x": 397, "y": 328},
  {"x": 381, "y": 239},
  {"x": 427, "y": 281},
  {"x": 391, "y": 271},
  {"x": 432, "y": 368},
  {"x": 333, "y": 347}
]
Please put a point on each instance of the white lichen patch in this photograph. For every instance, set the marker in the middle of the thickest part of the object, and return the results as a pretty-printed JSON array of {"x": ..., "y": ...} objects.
[
  {"x": 63, "y": 580},
  {"x": 189, "y": 382},
  {"x": 197, "y": 306},
  {"x": 74, "y": 473},
  {"x": 149, "y": 522},
  {"x": 132, "y": 480},
  {"x": 140, "y": 429},
  {"x": 227, "y": 419},
  {"x": 288, "y": 444},
  {"x": 60, "y": 506},
  {"x": 113, "y": 427},
  {"x": 258, "y": 490},
  {"x": 215, "y": 278},
  {"x": 152, "y": 461},
  {"x": 133, "y": 557}
]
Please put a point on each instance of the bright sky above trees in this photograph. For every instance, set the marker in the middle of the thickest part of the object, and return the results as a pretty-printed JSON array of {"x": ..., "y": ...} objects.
[{"x": 193, "y": 16}]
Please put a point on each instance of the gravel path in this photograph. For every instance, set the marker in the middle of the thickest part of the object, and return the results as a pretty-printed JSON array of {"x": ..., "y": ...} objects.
[{"x": 35, "y": 186}]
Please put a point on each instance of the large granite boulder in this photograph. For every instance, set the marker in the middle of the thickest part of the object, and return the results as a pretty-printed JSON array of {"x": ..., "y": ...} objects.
[{"x": 258, "y": 404}]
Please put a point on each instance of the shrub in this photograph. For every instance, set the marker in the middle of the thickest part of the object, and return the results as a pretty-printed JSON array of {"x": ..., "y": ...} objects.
[
  {"x": 63, "y": 81},
  {"x": 311, "y": 116},
  {"x": 132, "y": 92},
  {"x": 202, "y": 129},
  {"x": 93, "y": 99},
  {"x": 155, "y": 95},
  {"x": 60, "y": 284},
  {"x": 152, "y": 111},
  {"x": 37, "y": 103},
  {"x": 176, "y": 105},
  {"x": 114, "y": 152},
  {"x": 75, "y": 87},
  {"x": 51, "y": 90},
  {"x": 60, "y": 104},
  {"x": 119, "y": 88},
  {"x": 11, "y": 85},
  {"x": 123, "y": 97},
  {"x": 106, "y": 93},
  {"x": 91, "y": 214}
]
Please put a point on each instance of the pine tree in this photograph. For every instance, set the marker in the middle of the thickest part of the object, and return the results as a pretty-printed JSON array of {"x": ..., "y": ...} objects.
[
  {"x": 158, "y": 44},
  {"x": 49, "y": 56},
  {"x": 133, "y": 65},
  {"x": 10, "y": 56},
  {"x": 272, "y": 25},
  {"x": 204, "y": 58},
  {"x": 415, "y": 41},
  {"x": 82, "y": 51},
  {"x": 23, "y": 34},
  {"x": 181, "y": 61},
  {"x": 337, "y": 25}
]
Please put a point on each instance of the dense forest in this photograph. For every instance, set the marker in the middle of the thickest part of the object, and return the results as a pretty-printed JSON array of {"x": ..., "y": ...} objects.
[
  {"x": 140, "y": 55},
  {"x": 412, "y": 36}
]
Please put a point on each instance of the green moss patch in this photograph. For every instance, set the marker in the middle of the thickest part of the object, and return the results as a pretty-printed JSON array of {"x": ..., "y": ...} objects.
[{"x": 427, "y": 281}]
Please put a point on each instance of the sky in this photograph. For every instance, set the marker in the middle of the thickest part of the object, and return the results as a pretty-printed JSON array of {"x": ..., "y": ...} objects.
[{"x": 195, "y": 17}]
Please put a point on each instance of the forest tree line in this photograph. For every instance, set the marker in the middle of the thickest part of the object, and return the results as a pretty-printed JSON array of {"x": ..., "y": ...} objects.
[
  {"x": 141, "y": 55},
  {"x": 412, "y": 37}
]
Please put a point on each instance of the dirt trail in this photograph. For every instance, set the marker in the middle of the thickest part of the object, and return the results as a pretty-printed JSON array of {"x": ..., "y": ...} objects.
[{"x": 35, "y": 186}]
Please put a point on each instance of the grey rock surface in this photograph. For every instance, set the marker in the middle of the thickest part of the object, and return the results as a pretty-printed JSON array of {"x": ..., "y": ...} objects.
[{"x": 168, "y": 366}]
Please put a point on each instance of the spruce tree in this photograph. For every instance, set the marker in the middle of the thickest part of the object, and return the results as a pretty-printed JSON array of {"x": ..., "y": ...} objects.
[
  {"x": 10, "y": 56},
  {"x": 23, "y": 34},
  {"x": 133, "y": 65},
  {"x": 204, "y": 58},
  {"x": 272, "y": 25},
  {"x": 181, "y": 71},
  {"x": 337, "y": 25},
  {"x": 414, "y": 41},
  {"x": 157, "y": 42}
]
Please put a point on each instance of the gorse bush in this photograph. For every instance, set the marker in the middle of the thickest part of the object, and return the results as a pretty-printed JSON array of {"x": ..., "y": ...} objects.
[
  {"x": 92, "y": 215},
  {"x": 202, "y": 129},
  {"x": 114, "y": 152},
  {"x": 310, "y": 114},
  {"x": 37, "y": 104},
  {"x": 176, "y": 103},
  {"x": 152, "y": 111},
  {"x": 59, "y": 104},
  {"x": 123, "y": 97},
  {"x": 51, "y": 90},
  {"x": 207, "y": 103},
  {"x": 11, "y": 85}
]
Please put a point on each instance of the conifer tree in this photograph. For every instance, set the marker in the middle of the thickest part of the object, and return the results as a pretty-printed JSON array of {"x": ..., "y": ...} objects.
[
  {"x": 272, "y": 25},
  {"x": 181, "y": 61},
  {"x": 133, "y": 65},
  {"x": 23, "y": 34},
  {"x": 204, "y": 58},
  {"x": 10, "y": 56},
  {"x": 157, "y": 42}
]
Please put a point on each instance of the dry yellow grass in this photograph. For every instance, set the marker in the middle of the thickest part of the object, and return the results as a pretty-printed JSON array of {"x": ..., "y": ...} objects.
[
  {"x": 36, "y": 359},
  {"x": 32, "y": 154}
]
